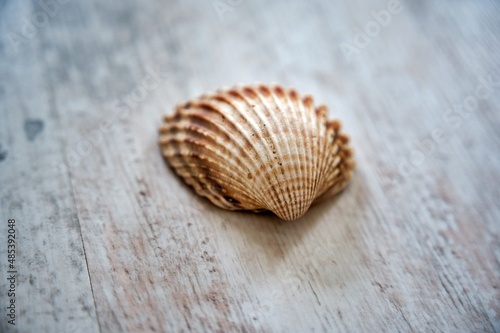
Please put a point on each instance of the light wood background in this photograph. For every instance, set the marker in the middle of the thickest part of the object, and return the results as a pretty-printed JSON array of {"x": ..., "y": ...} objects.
[{"x": 109, "y": 240}]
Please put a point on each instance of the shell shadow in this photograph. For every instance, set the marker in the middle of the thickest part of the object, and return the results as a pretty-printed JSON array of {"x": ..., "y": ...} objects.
[{"x": 275, "y": 238}]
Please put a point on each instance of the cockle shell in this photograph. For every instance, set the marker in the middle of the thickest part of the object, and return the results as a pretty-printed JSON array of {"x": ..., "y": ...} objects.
[{"x": 258, "y": 148}]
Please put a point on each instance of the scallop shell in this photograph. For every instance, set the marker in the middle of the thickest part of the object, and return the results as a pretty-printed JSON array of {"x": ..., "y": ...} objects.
[{"x": 258, "y": 148}]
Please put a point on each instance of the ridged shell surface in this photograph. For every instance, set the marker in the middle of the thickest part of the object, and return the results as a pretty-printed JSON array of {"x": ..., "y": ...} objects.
[{"x": 257, "y": 148}]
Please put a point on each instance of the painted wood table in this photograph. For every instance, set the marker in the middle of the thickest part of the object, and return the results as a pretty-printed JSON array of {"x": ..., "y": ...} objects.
[{"x": 99, "y": 235}]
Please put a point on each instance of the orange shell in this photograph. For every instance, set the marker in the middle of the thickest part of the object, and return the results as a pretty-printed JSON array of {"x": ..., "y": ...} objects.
[{"x": 258, "y": 148}]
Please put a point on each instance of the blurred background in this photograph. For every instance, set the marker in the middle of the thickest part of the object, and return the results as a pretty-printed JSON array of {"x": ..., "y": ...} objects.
[{"x": 111, "y": 240}]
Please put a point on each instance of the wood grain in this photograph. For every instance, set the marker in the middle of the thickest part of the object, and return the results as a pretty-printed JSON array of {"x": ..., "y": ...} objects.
[{"x": 110, "y": 240}]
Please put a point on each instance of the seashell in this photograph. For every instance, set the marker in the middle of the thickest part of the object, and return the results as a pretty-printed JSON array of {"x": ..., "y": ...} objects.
[{"x": 258, "y": 148}]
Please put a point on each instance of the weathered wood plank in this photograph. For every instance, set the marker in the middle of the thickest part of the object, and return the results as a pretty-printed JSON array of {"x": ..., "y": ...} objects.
[
  {"x": 53, "y": 291},
  {"x": 412, "y": 244}
]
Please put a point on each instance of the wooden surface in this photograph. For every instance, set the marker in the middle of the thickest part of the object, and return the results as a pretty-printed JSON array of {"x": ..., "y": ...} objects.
[{"x": 109, "y": 240}]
